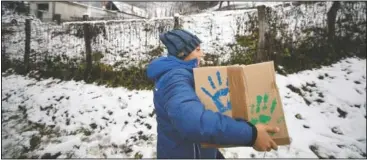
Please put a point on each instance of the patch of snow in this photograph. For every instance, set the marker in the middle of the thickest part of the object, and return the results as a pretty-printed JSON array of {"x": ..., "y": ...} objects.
[{"x": 99, "y": 122}]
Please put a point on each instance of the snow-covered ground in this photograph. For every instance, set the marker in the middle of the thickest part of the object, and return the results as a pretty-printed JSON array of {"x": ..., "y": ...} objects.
[{"x": 78, "y": 120}]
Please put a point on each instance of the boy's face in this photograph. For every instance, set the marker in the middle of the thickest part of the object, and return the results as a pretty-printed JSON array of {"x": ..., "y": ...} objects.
[{"x": 197, "y": 53}]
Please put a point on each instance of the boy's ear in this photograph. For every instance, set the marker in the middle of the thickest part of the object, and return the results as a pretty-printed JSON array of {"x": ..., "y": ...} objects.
[{"x": 181, "y": 55}]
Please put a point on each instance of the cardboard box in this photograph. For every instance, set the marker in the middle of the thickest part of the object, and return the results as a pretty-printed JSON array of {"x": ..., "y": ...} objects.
[{"x": 248, "y": 92}]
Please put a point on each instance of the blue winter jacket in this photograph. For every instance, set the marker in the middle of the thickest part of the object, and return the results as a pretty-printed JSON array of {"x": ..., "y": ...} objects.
[{"x": 183, "y": 123}]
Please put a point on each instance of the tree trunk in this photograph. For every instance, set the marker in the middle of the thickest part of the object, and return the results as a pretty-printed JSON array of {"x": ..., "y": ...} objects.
[
  {"x": 260, "y": 55},
  {"x": 331, "y": 20},
  {"x": 176, "y": 24},
  {"x": 27, "y": 48}
]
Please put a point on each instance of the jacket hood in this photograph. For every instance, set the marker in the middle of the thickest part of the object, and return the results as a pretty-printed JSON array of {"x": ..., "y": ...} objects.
[{"x": 162, "y": 65}]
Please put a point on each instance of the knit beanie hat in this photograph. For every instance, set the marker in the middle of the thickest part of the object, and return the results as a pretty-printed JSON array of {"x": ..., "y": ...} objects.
[{"x": 179, "y": 43}]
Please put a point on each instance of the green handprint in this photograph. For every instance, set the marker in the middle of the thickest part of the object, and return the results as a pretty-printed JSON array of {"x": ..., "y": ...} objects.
[{"x": 263, "y": 117}]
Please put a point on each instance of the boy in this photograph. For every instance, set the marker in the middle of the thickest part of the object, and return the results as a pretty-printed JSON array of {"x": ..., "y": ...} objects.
[{"x": 183, "y": 123}]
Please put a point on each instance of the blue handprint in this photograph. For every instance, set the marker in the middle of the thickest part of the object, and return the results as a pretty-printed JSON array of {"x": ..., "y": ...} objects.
[{"x": 219, "y": 93}]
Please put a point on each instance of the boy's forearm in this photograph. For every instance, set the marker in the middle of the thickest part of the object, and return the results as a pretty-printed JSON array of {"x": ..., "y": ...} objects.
[
  {"x": 204, "y": 126},
  {"x": 232, "y": 132}
]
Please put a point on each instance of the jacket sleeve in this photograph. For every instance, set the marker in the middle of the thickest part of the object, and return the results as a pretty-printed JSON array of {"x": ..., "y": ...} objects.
[{"x": 194, "y": 122}]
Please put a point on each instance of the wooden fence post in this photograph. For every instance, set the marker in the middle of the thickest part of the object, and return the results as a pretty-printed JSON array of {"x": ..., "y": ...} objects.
[
  {"x": 57, "y": 18},
  {"x": 88, "y": 49},
  {"x": 27, "y": 48},
  {"x": 176, "y": 21},
  {"x": 260, "y": 54}
]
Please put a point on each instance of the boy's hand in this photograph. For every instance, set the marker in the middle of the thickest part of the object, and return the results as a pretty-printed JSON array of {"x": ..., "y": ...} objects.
[{"x": 263, "y": 141}]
